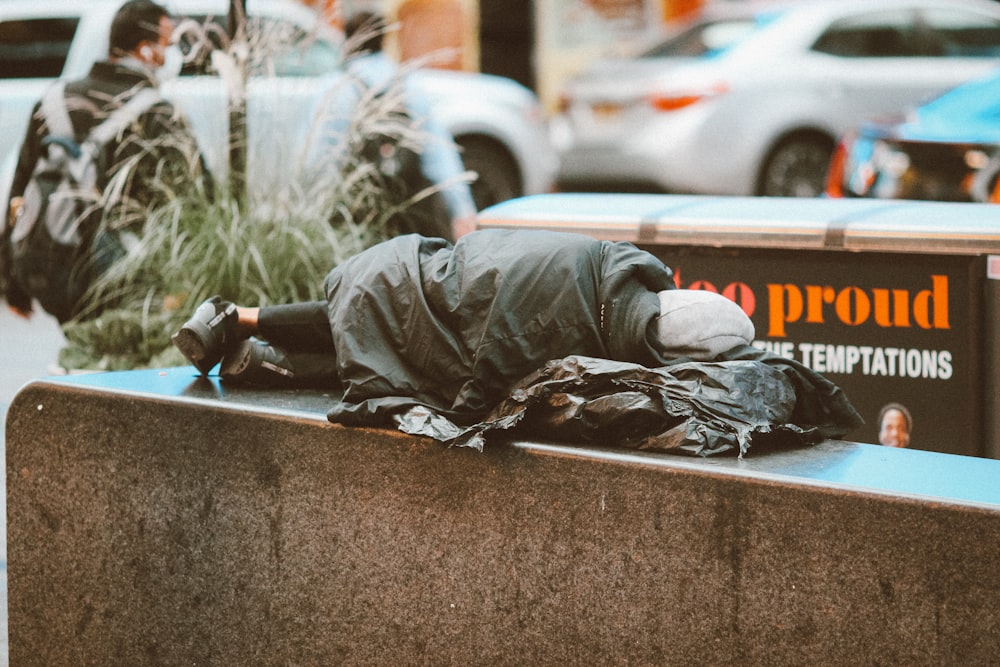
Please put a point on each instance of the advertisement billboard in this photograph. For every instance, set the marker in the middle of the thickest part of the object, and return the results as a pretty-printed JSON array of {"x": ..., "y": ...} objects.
[{"x": 888, "y": 328}]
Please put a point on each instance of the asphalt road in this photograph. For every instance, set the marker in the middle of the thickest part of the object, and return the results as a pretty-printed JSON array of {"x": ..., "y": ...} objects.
[{"x": 28, "y": 350}]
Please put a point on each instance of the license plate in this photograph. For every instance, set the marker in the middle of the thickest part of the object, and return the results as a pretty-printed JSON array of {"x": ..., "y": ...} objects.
[{"x": 606, "y": 110}]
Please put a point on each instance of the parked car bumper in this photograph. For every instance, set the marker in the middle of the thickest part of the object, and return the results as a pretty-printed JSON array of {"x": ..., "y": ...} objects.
[{"x": 676, "y": 152}]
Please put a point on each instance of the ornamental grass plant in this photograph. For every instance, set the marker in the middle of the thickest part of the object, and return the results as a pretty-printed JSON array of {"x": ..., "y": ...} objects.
[
  {"x": 272, "y": 244},
  {"x": 193, "y": 247}
]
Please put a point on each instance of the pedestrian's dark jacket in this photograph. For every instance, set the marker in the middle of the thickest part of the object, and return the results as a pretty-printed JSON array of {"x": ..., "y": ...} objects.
[
  {"x": 418, "y": 321},
  {"x": 158, "y": 154},
  {"x": 163, "y": 134}
]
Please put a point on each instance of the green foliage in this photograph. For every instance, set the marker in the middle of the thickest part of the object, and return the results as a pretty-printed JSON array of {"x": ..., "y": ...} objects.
[
  {"x": 192, "y": 248},
  {"x": 193, "y": 242}
]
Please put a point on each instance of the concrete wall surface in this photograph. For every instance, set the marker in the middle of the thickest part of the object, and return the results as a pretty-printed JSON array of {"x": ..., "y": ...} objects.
[{"x": 158, "y": 519}]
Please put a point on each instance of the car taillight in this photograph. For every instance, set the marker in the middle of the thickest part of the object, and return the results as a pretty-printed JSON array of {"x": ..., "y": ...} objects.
[
  {"x": 667, "y": 101},
  {"x": 835, "y": 174}
]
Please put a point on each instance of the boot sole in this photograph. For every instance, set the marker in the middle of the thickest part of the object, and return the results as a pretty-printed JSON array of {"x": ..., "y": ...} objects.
[
  {"x": 236, "y": 362},
  {"x": 192, "y": 346}
]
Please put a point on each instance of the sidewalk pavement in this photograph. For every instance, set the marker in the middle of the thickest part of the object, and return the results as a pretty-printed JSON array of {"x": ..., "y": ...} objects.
[{"x": 28, "y": 350}]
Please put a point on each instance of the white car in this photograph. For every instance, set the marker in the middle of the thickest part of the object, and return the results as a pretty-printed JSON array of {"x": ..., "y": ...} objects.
[
  {"x": 498, "y": 123},
  {"x": 751, "y": 98}
]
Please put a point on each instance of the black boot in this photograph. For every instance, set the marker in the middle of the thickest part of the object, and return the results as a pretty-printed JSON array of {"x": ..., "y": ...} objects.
[
  {"x": 256, "y": 363},
  {"x": 208, "y": 334}
]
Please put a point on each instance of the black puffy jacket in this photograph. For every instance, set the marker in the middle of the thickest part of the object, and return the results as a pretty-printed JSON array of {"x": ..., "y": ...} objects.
[{"x": 419, "y": 321}]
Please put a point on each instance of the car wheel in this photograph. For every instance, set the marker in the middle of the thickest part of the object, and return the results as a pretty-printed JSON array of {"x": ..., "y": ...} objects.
[
  {"x": 498, "y": 178},
  {"x": 796, "y": 168}
]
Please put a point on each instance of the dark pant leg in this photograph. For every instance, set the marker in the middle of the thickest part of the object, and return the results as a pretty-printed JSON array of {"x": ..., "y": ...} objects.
[
  {"x": 296, "y": 327},
  {"x": 301, "y": 331}
]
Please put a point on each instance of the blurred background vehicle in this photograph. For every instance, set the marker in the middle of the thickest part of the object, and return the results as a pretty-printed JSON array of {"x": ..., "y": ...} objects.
[
  {"x": 498, "y": 123},
  {"x": 751, "y": 97},
  {"x": 947, "y": 149}
]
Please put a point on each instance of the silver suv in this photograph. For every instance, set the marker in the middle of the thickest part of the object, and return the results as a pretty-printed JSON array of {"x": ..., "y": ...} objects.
[
  {"x": 750, "y": 98},
  {"x": 497, "y": 122}
]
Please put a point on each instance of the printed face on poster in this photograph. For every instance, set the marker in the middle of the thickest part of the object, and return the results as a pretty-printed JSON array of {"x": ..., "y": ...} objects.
[{"x": 886, "y": 328}]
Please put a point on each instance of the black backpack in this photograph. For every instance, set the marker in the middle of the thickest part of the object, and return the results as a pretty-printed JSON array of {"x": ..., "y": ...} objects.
[
  {"x": 392, "y": 152},
  {"x": 51, "y": 242}
]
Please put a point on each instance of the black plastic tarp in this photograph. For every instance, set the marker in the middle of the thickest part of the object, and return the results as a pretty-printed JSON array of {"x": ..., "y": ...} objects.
[{"x": 698, "y": 408}]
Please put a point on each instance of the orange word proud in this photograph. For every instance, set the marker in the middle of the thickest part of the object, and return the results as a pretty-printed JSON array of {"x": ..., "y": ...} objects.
[{"x": 854, "y": 306}]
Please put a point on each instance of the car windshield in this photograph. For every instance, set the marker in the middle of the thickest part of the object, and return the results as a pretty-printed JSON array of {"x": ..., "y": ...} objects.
[{"x": 709, "y": 38}]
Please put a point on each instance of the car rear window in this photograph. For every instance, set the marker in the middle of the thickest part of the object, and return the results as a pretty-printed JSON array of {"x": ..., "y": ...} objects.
[
  {"x": 35, "y": 48},
  {"x": 704, "y": 39}
]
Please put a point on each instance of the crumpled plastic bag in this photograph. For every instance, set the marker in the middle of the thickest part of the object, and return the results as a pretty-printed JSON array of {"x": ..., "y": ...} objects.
[{"x": 698, "y": 408}]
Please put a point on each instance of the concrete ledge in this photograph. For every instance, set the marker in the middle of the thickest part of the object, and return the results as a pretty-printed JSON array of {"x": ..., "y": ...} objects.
[{"x": 157, "y": 519}]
